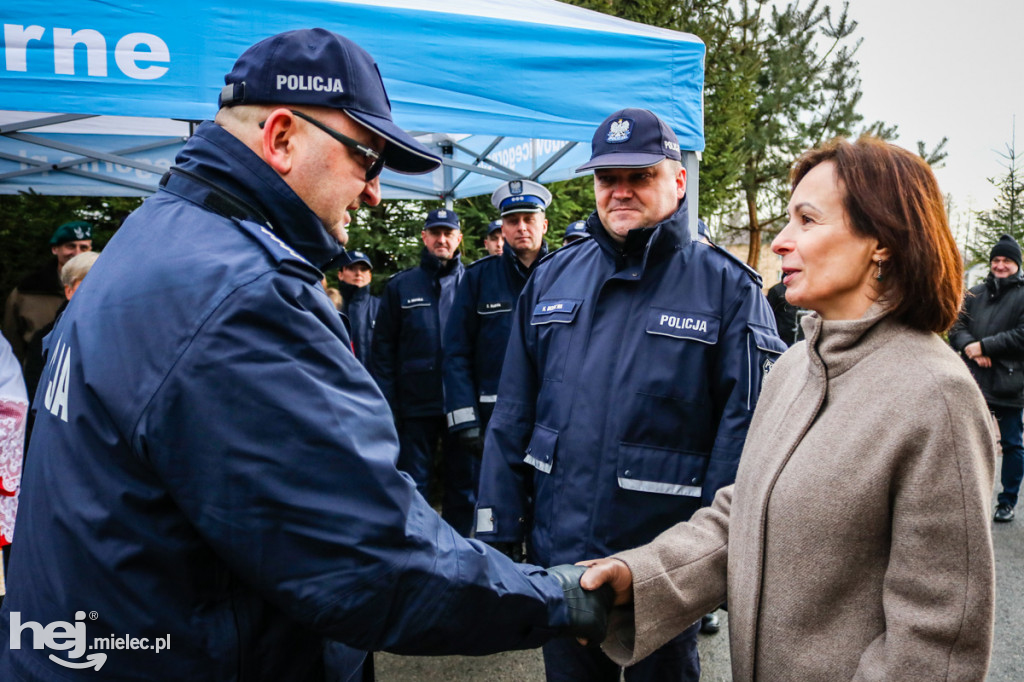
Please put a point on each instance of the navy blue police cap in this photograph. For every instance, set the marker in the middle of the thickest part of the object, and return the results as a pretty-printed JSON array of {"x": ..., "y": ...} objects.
[
  {"x": 493, "y": 226},
  {"x": 632, "y": 138},
  {"x": 521, "y": 196},
  {"x": 358, "y": 257},
  {"x": 442, "y": 217},
  {"x": 317, "y": 67},
  {"x": 576, "y": 230}
]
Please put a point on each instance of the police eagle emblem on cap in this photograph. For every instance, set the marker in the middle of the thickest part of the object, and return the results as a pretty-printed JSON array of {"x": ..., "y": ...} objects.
[
  {"x": 620, "y": 130},
  {"x": 515, "y": 187}
]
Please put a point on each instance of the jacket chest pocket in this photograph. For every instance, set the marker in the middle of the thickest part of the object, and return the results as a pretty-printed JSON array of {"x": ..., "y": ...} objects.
[
  {"x": 674, "y": 353},
  {"x": 554, "y": 323}
]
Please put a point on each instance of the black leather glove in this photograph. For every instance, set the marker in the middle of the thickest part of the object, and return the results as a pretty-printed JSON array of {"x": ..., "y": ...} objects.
[
  {"x": 588, "y": 609},
  {"x": 513, "y": 550},
  {"x": 472, "y": 441}
]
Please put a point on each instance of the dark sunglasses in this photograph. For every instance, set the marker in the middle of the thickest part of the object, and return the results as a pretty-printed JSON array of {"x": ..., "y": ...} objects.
[{"x": 375, "y": 160}]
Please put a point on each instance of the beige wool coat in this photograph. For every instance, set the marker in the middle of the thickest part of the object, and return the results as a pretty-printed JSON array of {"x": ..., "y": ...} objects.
[{"x": 855, "y": 543}]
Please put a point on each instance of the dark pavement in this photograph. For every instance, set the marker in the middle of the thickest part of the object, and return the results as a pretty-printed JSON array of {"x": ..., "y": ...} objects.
[{"x": 527, "y": 666}]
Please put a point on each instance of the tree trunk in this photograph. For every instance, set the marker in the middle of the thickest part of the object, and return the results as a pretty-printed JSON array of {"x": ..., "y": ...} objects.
[{"x": 754, "y": 231}]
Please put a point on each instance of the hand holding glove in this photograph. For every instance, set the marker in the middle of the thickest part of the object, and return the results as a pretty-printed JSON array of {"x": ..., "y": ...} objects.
[{"x": 588, "y": 609}]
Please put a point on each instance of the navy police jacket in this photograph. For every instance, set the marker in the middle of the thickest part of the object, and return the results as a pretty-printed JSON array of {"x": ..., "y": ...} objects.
[
  {"x": 361, "y": 309},
  {"x": 629, "y": 382},
  {"x": 212, "y": 465},
  {"x": 406, "y": 352},
  {"x": 477, "y": 333}
]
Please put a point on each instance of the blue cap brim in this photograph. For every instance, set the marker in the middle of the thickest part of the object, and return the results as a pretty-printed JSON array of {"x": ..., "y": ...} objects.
[
  {"x": 622, "y": 160},
  {"x": 403, "y": 153}
]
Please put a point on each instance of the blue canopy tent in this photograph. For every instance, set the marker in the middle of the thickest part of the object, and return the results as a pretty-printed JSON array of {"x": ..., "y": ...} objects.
[{"x": 97, "y": 96}]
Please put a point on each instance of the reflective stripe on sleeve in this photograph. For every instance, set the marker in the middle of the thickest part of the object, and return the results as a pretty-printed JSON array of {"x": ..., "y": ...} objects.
[{"x": 461, "y": 416}]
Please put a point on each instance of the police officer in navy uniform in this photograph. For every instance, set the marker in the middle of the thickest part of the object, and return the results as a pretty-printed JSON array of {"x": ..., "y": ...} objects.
[
  {"x": 576, "y": 230},
  {"x": 632, "y": 370},
  {"x": 211, "y": 467},
  {"x": 494, "y": 243},
  {"x": 406, "y": 361},
  {"x": 481, "y": 319},
  {"x": 358, "y": 304}
]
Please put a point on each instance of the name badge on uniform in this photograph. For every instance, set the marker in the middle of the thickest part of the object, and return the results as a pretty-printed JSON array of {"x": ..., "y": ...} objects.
[
  {"x": 683, "y": 325},
  {"x": 415, "y": 302},
  {"x": 562, "y": 311},
  {"x": 493, "y": 307}
]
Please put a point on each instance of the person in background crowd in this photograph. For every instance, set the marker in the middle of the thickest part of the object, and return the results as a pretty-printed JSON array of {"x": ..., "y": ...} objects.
[
  {"x": 855, "y": 544},
  {"x": 33, "y": 304},
  {"x": 212, "y": 468},
  {"x": 71, "y": 276},
  {"x": 494, "y": 242},
  {"x": 575, "y": 231},
  {"x": 632, "y": 370},
  {"x": 481, "y": 317},
  {"x": 359, "y": 305},
  {"x": 406, "y": 359},
  {"x": 787, "y": 316},
  {"x": 332, "y": 293},
  {"x": 990, "y": 335}
]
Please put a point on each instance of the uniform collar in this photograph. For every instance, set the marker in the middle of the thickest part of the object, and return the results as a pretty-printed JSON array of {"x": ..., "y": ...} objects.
[
  {"x": 435, "y": 267},
  {"x": 648, "y": 245},
  {"x": 218, "y": 157},
  {"x": 512, "y": 260}
]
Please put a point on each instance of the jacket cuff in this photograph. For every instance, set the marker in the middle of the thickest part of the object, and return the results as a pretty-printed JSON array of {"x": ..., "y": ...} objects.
[{"x": 461, "y": 419}]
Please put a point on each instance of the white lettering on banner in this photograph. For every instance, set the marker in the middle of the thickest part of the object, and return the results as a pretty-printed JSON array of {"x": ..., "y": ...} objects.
[
  {"x": 683, "y": 323},
  {"x": 64, "y": 42},
  {"x": 127, "y": 51},
  {"x": 308, "y": 83},
  {"x": 510, "y": 156}
]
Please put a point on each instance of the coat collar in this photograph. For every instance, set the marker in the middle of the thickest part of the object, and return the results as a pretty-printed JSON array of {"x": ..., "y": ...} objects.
[
  {"x": 219, "y": 158},
  {"x": 835, "y": 346}
]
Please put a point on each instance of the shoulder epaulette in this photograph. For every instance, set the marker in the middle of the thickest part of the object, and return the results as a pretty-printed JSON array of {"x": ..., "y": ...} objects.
[
  {"x": 565, "y": 248},
  {"x": 478, "y": 261},
  {"x": 751, "y": 272}
]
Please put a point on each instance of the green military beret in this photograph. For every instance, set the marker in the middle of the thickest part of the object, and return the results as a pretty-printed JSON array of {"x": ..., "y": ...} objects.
[{"x": 74, "y": 231}]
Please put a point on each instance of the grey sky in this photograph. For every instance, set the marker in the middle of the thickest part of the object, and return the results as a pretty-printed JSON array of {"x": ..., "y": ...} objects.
[{"x": 938, "y": 68}]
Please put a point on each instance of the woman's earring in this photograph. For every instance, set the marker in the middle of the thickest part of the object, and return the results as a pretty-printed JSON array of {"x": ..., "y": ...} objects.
[{"x": 878, "y": 276}]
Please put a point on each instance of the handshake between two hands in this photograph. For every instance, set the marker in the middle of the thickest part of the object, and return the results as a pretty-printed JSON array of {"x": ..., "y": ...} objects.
[{"x": 591, "y": 589}]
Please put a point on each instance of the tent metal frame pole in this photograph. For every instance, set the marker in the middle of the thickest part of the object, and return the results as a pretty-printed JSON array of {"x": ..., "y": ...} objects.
[
  {"x": 478, "y": 158},
  {"x": 43, "y": 167},
  {"x": 451, "y": 163},
  {"x": 692, "y": 165},
  {"x": 427, "y": 194},
  {"x": 446, "y": 175},
  {"x": 566, "y": 148},
  {"x": 509, "y": 173},
  {"x": 115, "y": 181},
  {"x": 82, "y": 151},
  {"x": 42, "y": 122}
]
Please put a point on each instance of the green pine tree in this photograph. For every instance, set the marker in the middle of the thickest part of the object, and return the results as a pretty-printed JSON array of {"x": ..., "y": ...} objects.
[{"x": 1007, "y": 216}]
